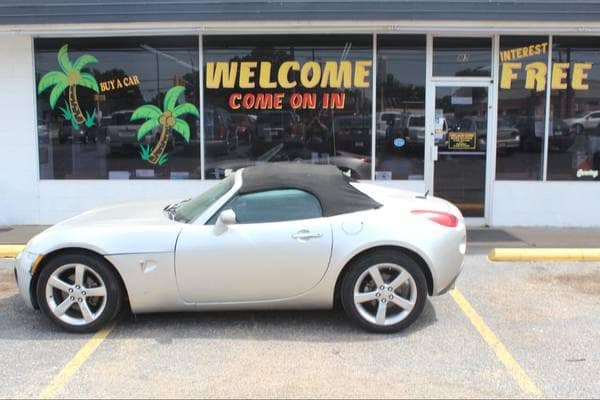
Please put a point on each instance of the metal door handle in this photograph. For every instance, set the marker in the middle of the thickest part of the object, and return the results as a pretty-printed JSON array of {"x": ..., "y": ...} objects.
[{"x": 305, "y": 234}]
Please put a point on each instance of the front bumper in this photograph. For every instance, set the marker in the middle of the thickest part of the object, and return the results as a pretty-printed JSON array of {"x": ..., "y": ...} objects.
[{"x": 23, "y": 275}]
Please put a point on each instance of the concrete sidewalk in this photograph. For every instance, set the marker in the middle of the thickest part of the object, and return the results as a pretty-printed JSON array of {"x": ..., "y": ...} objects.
[
  {"x": 19, "y": 234},
  {"x": 483, "y": 240}
]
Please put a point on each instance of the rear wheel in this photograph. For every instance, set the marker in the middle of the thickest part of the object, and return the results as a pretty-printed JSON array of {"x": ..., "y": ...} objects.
[
  {"x": 79, "y": 292},
  {"x": 384, "y": 292}
]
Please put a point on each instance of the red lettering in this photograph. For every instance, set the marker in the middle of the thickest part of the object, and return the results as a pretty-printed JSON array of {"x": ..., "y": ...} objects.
[
  {"x": 296, "y": 100},
  {"x": 234, "y": 101}
]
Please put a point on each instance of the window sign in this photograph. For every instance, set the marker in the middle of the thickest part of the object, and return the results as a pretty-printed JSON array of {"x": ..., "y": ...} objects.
[
  {"x": 118, "y": 108},
  {"x": 514, "y": 63},
  {"x": 287, "y": 98},
  {"x": 521, "y": 107}
]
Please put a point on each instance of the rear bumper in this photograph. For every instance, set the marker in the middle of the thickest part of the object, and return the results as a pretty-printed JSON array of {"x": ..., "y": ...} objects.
[{"x": 447, "y": 259}]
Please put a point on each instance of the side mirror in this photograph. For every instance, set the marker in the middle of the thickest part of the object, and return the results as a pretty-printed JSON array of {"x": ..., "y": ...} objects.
[{"x": 226, "y": 218}]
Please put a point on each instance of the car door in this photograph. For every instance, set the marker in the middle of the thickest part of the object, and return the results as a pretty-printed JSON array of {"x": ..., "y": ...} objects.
[{"x": 278, "y": 248}]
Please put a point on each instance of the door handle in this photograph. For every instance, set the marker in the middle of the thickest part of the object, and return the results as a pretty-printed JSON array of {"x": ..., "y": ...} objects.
[{"x": 305, "y": 234}]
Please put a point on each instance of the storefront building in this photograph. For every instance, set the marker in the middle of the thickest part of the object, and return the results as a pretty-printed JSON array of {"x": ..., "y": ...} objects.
[{"x": 492, "y": 105}]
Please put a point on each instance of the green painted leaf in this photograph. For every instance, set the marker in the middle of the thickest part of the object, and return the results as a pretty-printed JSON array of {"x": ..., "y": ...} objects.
[
  {"x": 63, "y": 58},
  {"x": 88, "y": 81},
  {"x": 144, "y": 152},
  {"x": 171, "y": 97},
  {"x": 66, "y": 110},
  {"x": 56, "y": 92},
  {"x": 163, "y": 159},
  {"x": 183, "y": 129},
  {"x": 83, "y": 61},
  {"x": 146, "y": 111},
  {"x": 147, "y": 127},
  {"x": 90, "y": 119},
  {"x": 50, "y": 79},
  {"x": 186, "y": 108}
]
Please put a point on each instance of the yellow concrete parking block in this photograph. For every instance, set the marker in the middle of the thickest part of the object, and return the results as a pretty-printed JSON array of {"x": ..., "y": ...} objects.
[
  {"x": 10, "y": 250},
  {"x": 544, "y": 254}
]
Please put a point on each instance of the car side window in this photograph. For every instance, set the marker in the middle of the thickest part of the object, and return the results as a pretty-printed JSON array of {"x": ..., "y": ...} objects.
[{"x": 274, "y": 206}]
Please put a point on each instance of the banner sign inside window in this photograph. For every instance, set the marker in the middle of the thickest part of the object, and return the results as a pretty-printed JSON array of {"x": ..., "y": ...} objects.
[
  {"x": 514, "y": 67},
  {"x": 268, "y": 83}
]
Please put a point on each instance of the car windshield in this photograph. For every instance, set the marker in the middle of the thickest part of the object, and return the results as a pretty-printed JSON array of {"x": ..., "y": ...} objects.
[{"x": 192, "y": 209}]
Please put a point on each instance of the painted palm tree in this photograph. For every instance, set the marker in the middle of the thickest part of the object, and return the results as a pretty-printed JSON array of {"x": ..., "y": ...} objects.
[
  {"x": 70, "y": 77},
  {"x": 166, "y": 119}
]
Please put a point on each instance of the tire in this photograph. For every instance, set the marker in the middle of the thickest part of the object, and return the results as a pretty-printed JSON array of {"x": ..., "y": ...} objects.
[
  {"x": 68, "y": 291},
  {"x": 578, "y": 129},
  {"x": 411, "y": 293}
]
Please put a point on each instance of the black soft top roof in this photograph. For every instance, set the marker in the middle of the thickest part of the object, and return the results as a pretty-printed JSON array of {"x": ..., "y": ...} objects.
[{"x": 326, "y": 182}]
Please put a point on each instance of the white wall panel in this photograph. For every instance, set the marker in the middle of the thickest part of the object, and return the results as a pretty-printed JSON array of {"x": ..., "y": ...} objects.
[
  {"x": 546, "y": 204},
  {"x": 19, "y": 191}
]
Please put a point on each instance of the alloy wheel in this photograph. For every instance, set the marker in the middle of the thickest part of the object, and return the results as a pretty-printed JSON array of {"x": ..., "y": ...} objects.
[
  {"x": 385, "y": 294},
  {"x": 76, "y": 294}
]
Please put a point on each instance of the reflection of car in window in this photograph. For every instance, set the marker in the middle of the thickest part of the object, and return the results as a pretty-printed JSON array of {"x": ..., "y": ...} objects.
[
  {"x": 220, "y": 133},
  {"x": 357, "y": 165},
  {"x": 507, "y": 136},
  {"x": 276, "y": 127},
  {"x": 246, "y": 127},
  {"x": 584, "y": 121},
  {"x": 386, "y": 121},
  {"x": 352, "y": 133},
  {"x": 121, "y": 132},
  {"x": 561, "y": 135}
]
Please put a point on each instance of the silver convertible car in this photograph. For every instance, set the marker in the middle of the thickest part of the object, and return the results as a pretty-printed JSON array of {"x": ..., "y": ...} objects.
[{"x": 285, "y": 236}]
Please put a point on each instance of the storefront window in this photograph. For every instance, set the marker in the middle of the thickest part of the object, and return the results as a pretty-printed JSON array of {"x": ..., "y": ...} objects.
[
  {"x": 521, "y": 107},
  {"x": 400, "y": 107},
  {"x": 462, "y": 56},
  {"x": 118, "y": 108},
  {"x": 287, "y": 98},
  {"x": 574, "y": 141}
]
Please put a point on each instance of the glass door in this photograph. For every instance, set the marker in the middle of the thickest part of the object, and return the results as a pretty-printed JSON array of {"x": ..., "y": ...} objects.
[{"x": 460, "y": 145}]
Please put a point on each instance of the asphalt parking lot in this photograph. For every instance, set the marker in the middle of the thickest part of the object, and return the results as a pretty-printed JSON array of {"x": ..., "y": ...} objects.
[{"x": 545, "y": 317}]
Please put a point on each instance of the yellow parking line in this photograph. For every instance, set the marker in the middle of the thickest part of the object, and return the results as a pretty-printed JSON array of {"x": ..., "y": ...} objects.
[
  {"x": 64, "y": 376},
  {"x": 496, "y": 345},
  {"x": 544, "y": 254},
  {"x": 10, "y": 250}
]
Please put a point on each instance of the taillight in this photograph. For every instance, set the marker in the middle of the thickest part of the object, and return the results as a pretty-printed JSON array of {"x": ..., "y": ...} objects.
[
  {"x": 221, "y": 131},
  {"x": 442, "y": 218}
]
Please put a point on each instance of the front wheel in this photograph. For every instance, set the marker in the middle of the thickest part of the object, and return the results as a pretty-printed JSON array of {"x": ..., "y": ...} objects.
[
  {"x": 384, "y": 292},
  {"x": 79, "y": 292}
]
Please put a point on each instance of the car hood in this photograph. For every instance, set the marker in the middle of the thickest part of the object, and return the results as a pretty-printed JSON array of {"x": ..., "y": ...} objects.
[
  {"x": 146, "y": 213},
  {"x": 140, "y": 227}
]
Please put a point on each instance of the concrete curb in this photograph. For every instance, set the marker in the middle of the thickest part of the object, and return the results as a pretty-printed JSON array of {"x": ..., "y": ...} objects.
[
  {"x": 544, "y": 254},
  {"x": 10, "y": 250}
]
